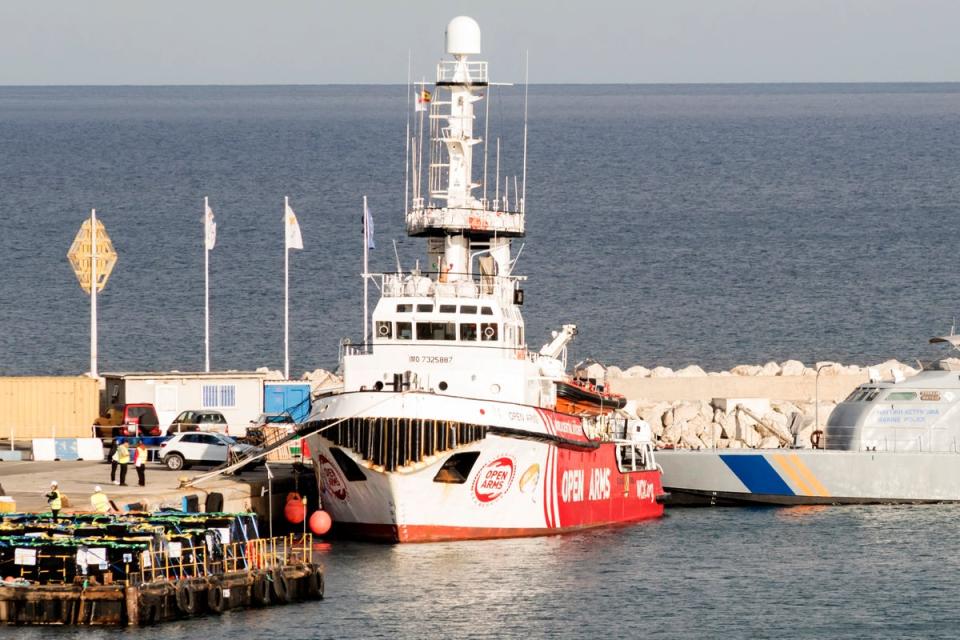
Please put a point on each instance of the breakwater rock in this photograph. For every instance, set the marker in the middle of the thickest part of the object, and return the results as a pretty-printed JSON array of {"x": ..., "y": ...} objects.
[{"x": 750, "y": 406}]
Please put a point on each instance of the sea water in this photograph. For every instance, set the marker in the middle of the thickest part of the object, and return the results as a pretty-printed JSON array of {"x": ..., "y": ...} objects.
[
  {"x": 817, "y": 572},
  {"x": 713, "y": 225}
]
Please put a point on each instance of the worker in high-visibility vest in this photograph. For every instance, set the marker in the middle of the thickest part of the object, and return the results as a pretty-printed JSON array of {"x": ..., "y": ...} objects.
[
  {"x": 55, "y": 500},
  {"x": 99, "y": 500},
  {"x": 123, "y": 459}
]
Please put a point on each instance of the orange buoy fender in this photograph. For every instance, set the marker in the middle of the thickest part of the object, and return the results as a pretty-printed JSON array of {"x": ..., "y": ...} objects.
[
  {"x": 320, "y": 522},
  {"x": 295, "y": 510}
]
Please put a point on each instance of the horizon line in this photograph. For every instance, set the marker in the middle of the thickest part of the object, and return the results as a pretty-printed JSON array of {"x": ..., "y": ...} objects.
[{"x": 533, "y": 84}]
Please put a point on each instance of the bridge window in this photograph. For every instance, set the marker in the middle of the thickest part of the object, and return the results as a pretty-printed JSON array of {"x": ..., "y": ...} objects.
[
  {"x": 486, "y": 311},
  {"x": 404, "y": 308},
  {"x": 488, "y": 331},
  {"x": 448, "y": 308},
  {"x": 436, "y": 331},
  {"x": 404, "y": 331},
  {"x": 468, "y": 308},
  {"x": 384, "y": 329},
  {"x": 425, "y": 308},
  {"x": 468, "y": 331},
  {"x": 901, "y": 396}
]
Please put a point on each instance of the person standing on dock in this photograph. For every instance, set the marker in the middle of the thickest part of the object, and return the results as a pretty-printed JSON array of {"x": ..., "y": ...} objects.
[
  {"x": 140, "y": 456},
  {"x": 55, "y": 500},
  {"x": 123, "y": 459},
  {"x": 99, "y": 500},
  {"x": 113, "y": 462}
]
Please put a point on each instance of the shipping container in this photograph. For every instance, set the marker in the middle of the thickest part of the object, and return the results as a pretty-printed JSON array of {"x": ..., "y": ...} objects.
[{"x": 48, "y": 406}]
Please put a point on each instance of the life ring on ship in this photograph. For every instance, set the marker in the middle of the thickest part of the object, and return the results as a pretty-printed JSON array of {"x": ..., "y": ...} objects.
[
  {"x": 281, "y": 585},
  {"x": 383, "y": 330},
  {"x": 488, "y": 332},
  {"x": 315, "y": 584},
  {"x": 815, "y": 438},
  {"x": 186, "y": 598},
  {"x": 260, "y": 590},
  {"x": 215, "y": 599}
]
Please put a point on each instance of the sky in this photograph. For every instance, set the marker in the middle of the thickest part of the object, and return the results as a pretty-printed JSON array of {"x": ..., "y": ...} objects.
[{"x": 44, "y": 42}]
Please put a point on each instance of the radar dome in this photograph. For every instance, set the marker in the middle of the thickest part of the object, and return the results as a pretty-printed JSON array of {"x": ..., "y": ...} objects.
[{"x": 463, "y": 36}]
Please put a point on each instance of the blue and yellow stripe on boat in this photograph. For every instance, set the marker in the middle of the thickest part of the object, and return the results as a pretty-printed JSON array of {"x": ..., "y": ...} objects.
[{"x": 789, "y": 477}]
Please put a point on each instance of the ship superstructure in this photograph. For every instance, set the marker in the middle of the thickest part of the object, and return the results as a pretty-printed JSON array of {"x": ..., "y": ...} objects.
[{"x": 448, "y": 427}]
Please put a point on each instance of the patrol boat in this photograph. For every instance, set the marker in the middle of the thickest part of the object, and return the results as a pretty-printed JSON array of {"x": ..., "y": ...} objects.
[
  {"x": 448, "y": 427},
  {"x": 887, "y": 442}
]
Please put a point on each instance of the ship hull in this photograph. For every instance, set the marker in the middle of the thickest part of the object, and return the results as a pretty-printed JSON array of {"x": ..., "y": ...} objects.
[
  {"x": 808, "y": 477},
  {"x": 511, "y": 483}
]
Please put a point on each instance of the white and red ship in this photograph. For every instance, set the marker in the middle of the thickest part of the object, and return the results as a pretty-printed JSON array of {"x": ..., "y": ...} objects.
[{"x": 448, "y": 427}]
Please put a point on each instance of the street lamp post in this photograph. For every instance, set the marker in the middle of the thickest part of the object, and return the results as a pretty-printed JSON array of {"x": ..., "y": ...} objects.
[{"x": 816, "y": 405}]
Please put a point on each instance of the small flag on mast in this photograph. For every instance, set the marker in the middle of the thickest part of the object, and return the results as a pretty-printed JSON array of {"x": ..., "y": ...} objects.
[
  {"x": 423, "y": 100},
  {"x": 368, "y": 227},
  {"x": 209, "y": 228},
  {"x": 292, "y": 229}
]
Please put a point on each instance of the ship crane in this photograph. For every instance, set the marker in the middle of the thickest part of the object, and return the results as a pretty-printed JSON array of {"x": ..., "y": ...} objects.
[{"x": 560, "y": 341}]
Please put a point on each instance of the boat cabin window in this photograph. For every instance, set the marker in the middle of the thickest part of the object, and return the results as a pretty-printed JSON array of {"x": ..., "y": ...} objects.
[
  {"x": 468, "y": 308},
  {"x": 428, "y": 308},
  {"x": 404, "y": 331},
  {"x": 404, "y": 308},
  {"x": 468, "y": 331},
  {"x": 488, "y": 331},
  {"x": 384, "y": 329},
  {"x": 448, "y": 308},
  {"x": 436, "y": 331},
  {"x": 901, "y": 396},
  {"x": 486, "y": 311},
  {"x": 863, "y": 394}
]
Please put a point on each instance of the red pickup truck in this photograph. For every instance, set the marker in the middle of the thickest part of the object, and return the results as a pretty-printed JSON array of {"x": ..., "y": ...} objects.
[{"x": 128, "y": 420}]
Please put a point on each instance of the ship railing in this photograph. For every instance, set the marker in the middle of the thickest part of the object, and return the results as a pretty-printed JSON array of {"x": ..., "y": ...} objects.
[
  {"x": 510, "y": 352},
  {"x": 892, "y": 439},
  {"x": 462, "y": 72},
  {"x": 449, "y": 285},
  {"x": 175, "y": 561},
  {"x": 498, "y": 218},
  {"x": 880, "y": 439}
]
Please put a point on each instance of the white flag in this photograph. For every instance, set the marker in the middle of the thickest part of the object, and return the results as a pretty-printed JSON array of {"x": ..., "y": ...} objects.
[
  {"x": 292, "y": 229},
  {"x": 209, "y": 228},
  {"x": 368, "y": 226}
]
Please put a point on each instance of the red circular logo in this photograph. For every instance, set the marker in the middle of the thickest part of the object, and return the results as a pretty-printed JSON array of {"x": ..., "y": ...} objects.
[
  {"x": 493, "y": 479},
  {"x": 331, "y": 478}
]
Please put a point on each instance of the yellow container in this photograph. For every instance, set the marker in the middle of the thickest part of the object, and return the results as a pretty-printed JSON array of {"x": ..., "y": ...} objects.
[{"x": 8, "y": 505}]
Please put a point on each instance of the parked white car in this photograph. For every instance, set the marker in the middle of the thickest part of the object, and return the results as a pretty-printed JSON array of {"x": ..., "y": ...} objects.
[{"x": 185, "y": 449}]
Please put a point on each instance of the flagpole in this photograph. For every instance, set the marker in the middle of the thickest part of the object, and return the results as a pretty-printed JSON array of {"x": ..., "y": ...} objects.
[
  {"x": 286, "y": 292},
  {"x": 93, "y": 293},
  {"x": 366, "y": 243},
  {"x": 206, "y": 284}
]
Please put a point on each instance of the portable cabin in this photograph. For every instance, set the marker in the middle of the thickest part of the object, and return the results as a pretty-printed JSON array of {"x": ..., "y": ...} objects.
[
  {"x": 238, "y": 395},
  {"x": 287, "y": 397}
]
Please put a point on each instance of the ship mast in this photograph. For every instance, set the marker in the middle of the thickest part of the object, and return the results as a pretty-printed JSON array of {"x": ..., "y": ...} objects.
[{"x": 469, "y": 228}]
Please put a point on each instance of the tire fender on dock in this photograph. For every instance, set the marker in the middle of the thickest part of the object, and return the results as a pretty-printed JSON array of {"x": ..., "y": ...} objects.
[
  {"x": 281, "y": 585},
  {"x": 186, "y": 598},
  {"x": 260, "y": 590},
  {"x": 315, "y": 583},
  {"x": 215, "y": 599}
]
